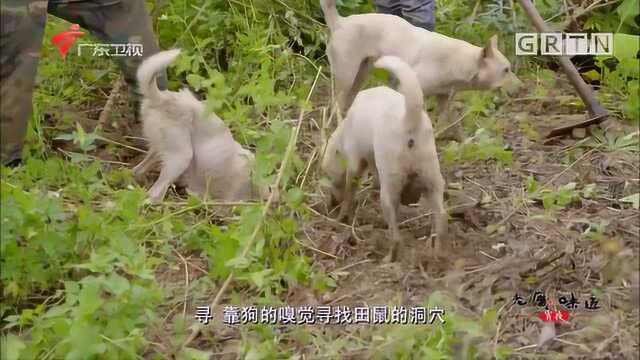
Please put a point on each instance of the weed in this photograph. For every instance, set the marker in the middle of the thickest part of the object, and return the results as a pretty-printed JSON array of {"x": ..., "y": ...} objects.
[
  {"x": 552, "y": 199},
  {"x": 611, "y": 142},
  {"x": 480, "y": 147}
]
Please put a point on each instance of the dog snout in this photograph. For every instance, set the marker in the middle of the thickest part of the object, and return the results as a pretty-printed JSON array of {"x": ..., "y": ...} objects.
[{"x": 512, "y": 83}]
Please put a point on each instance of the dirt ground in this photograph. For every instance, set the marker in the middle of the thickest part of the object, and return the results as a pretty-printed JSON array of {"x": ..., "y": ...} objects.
[
  {"x": 499, "y": 245},
  {"x": 501, "y": 248}
]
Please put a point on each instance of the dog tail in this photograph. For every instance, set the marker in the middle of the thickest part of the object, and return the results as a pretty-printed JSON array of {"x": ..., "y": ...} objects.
[
  {"x": 149, "y": 69},
  {"x": 409, "y": 87},
  {"x": 330, "y": 12}
]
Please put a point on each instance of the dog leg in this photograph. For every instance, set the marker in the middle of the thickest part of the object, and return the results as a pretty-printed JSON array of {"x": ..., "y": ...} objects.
[
  {"x": 444, "y": 118},
  {"x": 439, "y": 220},
  {"x": 359, "y": 79},
  {"x": 375, "y": 179},
  {"x": 390, "y": 200},
  {"x": 175, "y": 162},
  {"x": 337, "y": 192},
  {"x": 354, "y": 170},
  {"x": 346, "y": 72},
  {"x": 149, "y": 160},
  {"x": 346, "y": 208}
]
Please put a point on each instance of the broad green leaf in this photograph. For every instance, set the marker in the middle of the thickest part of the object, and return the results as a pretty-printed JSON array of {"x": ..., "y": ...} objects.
[
  {"x": 628, "y": 10},
  {"x": 12, "y": 346},
  {"x": 195, "y": 81},
  {"x": 295, "y": 197},
  {"x": 634, "y": 200},
  {"x": 259, "y": 277},
  {"x": 90, "y": 297},
  {"x": 239, "y": 262},
  {"x": 194, "y": 354},
  {"x": 116, "y": 284},
  {"x": 591, "y": 75},
  {"x": 625, "y": 46}
]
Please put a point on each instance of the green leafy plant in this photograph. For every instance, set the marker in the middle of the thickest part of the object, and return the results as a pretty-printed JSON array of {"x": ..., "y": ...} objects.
[
  {"x": 624, "y": 80},
  {"x": 612, "y": 142},
  {"x": 480, "y": 147},
  {"x": 552, "y": 199},
  {"x": 84, "y": 140}
]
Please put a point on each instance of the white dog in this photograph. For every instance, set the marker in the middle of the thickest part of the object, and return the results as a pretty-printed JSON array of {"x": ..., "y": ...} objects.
[
  {"x": 443, "y": 64},
  {"x": 195, "y": 147},
  {"x": 388, "y": 131}
]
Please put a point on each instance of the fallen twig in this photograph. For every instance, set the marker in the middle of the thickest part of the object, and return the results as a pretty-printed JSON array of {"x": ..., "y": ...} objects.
[
  {"x": 542, "y": 265},
  {"x": 186, "y": 281},
  {"x": 106, "y": 111},
  {"x": 581, "y": 124}
]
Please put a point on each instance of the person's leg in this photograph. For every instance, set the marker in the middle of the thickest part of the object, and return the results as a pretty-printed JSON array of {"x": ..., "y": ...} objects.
[
  {"x": 392, "y": 7},
  {"x": 22, "y": 25},
  {"x": 115, "y": 22},
  {"x": 420, "y": 13}
]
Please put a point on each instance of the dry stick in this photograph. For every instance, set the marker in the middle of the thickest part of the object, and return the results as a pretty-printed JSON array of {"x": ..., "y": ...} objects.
[
  {"x": 311, "y": 158},
  {"x": 316, "y": 250},
  {"x": 306, "y": 171},
  {"x": 104, "y": 115},
  {"x": 495, "y": 340},
  {"x": 430, "y": 213},
  {"x": 327, "y": 218},
  {"x": 516, "y": 65},
  {"x": 584, "y": 90},
  {"x": 120, "y": 144},
  {"x": 191, "y": 23},
  {"x": 70, "y": 153},
  {"x": 186, "y": 280},
  {"x": 440, "y": 132},
  {"x": 352, "y": 265},
  {"x": 287, "y": 156},
  {"x": 555, "y": 177},
  {"x": 581, "y": 12},
  {"x": 472, "y": 18}
]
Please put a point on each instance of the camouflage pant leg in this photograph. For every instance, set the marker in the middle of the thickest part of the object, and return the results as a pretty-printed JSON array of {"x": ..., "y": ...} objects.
[
  {"x": 420, "y": 13},
  {"x": 23, "y": 22},
  {"x": 114, "y": 22},
  {"x": 23, "y": 25}
]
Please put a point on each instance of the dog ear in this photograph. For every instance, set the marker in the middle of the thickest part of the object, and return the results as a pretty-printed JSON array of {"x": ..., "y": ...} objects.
[{"x": 491, "y": 47}]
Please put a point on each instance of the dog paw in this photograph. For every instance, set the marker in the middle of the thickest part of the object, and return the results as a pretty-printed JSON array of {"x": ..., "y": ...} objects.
[
  {"x": 392, "y": 255},
  {"x": 155, "y": 198},
  {"x": 434, "y": 244}
]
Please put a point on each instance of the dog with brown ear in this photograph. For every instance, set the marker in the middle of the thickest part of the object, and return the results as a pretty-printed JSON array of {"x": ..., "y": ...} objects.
[
  {"x": 444, "y": 65},
  {"x": 389, "y": 132}
]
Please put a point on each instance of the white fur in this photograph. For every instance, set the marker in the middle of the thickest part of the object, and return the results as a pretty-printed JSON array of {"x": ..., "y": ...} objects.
[
  {"x": 193, "y": 146},
  {"x": 443, "y": 64},
  {"x": 388, "y": 131}
]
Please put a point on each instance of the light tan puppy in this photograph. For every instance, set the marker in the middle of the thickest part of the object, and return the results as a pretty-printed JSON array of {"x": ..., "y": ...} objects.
[
  {"x": 389, "y": 131},
  {"x": 195, "y": 147},
  {"x": 443, "y": 64}
]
